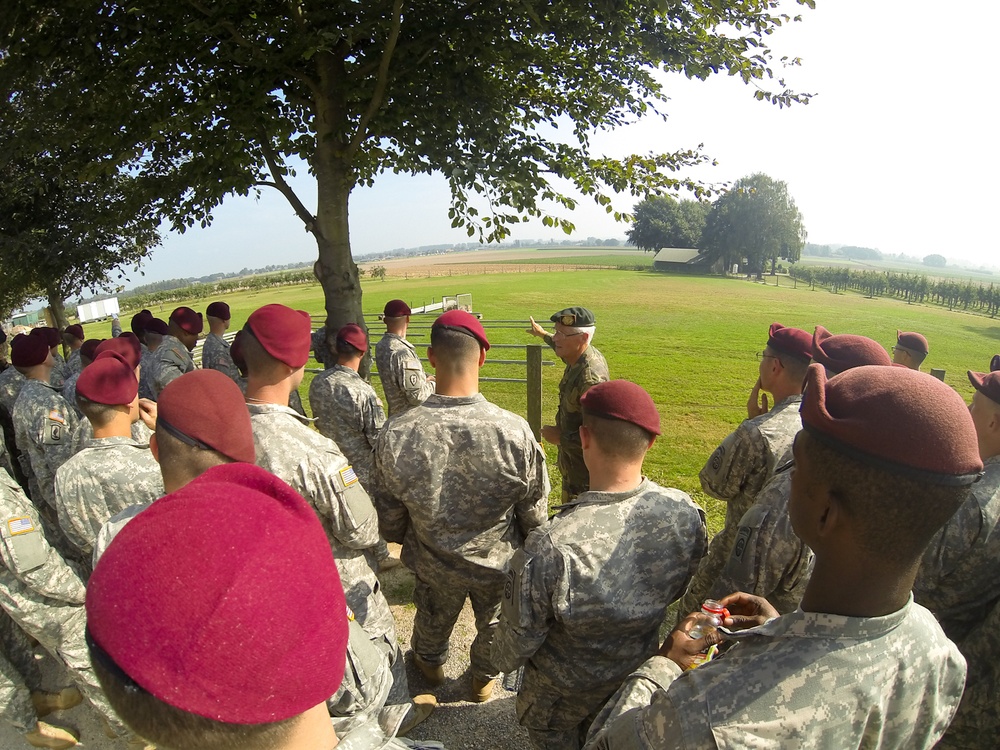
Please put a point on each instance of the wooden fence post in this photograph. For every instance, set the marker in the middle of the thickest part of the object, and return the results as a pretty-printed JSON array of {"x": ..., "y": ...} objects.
[{"x": 534, "y": 386}]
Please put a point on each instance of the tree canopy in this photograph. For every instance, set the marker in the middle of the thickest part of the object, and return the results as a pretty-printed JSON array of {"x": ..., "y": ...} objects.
[
  {"x": 754, "y": 223},
  {"x": 203, "y": 100},
  {"x": 935, "y": 260},
  {"x": 661, "y": 221}
]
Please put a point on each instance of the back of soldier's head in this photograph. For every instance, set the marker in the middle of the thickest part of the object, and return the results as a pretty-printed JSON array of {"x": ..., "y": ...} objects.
[
  {"x": 896, "y": 447},
  {"x": 621, "y": 418},
  {"x": 458, "y": 339},
  {"x": 216, "y": 618},
  {"x": 276, "y": 338}
]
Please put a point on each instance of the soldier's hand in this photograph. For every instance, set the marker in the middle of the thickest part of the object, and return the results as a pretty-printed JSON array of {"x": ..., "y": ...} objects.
[
  {"x": 147, "y": 412},
  {"x": 551, "y": 433},
  {"x": 536, "y": 330},
  {"x": 757, "y": 403},
  {"x": 681, "y": 648},
  {"x": 747, "y": 611}
]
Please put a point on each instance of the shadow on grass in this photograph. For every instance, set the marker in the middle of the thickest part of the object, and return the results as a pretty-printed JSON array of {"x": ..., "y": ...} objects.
[{"x": 992, "y": 332}]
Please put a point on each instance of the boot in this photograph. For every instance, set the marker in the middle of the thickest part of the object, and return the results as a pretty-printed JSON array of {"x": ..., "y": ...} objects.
[
  {"x": 46, "y": 703},
  {"x": 46, "y": 735},
  {"x": 433, "y": 673},
  {"x": 482, "y": 689},
  {"x": 421, "y": 707}
]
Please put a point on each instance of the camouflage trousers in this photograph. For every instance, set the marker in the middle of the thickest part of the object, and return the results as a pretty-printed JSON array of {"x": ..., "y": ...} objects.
[
  {"x": 19, "y": 675},
  {"x": 438, "y": 608},
  {"x": 714, "y": 563},
  {"x": 554, "y": 721}
]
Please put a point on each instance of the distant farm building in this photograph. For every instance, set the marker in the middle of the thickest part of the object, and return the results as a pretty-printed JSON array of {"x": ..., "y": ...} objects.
[{"x": 681, "y": 260}]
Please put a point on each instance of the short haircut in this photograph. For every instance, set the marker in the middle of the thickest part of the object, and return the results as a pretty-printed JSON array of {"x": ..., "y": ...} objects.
[
  {"x": 590, "y": 330},
  {"x": 454, "y": 348},
  {"x": 347, "y": 351},
  {"x": 97, "y": 414},
  {"x": 618, "y": 438},
  {"x": 171, "y": 728},
  {"x": 897, "y": 515},
  {"x": 797, "y": 368},
  {"x": 917, "y": 357},
  {"x": 259, "y": 361},
  {"x": 177, "y": 457}
]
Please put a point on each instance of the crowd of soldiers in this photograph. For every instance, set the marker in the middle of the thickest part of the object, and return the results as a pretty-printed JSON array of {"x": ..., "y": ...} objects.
[{"x": 203, "y": 559}]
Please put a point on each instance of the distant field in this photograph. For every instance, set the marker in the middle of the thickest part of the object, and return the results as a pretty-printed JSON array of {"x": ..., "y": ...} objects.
[
  {"x": 635, "y": 258},
  {"x": 899, "y": 267},
  {"x": 690, "y": 342}
]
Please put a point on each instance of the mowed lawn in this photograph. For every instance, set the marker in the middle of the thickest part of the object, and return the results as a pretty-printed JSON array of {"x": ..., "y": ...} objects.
[{"x": 691, "y": 342}]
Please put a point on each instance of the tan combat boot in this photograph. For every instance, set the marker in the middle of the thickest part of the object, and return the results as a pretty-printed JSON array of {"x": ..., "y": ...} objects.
[
  {"x": 433, "y": 673},
  {"x": 481, "y": 691},
  {"x": 421, "y": 706},
  {"x": 55, "y": 738},
  {"x": 46, "y": 703}
]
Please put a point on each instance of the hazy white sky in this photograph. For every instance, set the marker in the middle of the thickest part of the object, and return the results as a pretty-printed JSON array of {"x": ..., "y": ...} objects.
[{"x": 898, "y": 149}]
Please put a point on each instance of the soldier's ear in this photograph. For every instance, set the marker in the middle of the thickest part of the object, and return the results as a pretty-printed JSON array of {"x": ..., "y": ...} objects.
[
  {"x": 482, "y": 356},
  {"x": 431, "y": 358},
  {"x": 154, "y": 447}
]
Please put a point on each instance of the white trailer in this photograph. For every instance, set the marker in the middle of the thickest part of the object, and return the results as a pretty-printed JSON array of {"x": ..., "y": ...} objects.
[{"x": 89, "y": 311}]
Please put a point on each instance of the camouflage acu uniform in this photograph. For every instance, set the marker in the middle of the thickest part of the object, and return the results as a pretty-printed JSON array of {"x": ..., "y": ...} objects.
[
  {"x": 403, "y": 379},
  {"x": 585, "y": 599},
  {"x": 805, "y": 679},
  {"x": 215, "y": 356},
  {"x": 460, "y": 482},
  {"x": 58, "y": 375},
  {"x": 109, "y": 475},
  {"x": 43, "y": 594},
  {"x": 318, "y": 471},
  {"x": 589, "y": 370},
  {"x": 19, "y": 675},
  {"x": 147, "y": 366},
  {"x": 958, "y": 582},
  {"x": 11, "y": 382},
  {"x": 68, "y": 392},
  {"x": 43, "y": 426},
  {"x": 348, "y": 412},
  {"x": 768, "y": 559},
  {"x": 84, "y": 434},
  {"x": 171, "y": 360},
  {"x": 74, "y": 365},
  {"x": 738, "y": 469}
]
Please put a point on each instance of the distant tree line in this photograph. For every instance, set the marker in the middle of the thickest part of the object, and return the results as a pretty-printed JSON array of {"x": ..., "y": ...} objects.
[{"x": 910, "y": 287}]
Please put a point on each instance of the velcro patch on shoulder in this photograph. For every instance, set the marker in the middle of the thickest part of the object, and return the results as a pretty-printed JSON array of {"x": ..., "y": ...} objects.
[
  {"x": 348, "y": 477},
  {"x": 20, "y": 525},
  {"x": 55, "y": 416}
]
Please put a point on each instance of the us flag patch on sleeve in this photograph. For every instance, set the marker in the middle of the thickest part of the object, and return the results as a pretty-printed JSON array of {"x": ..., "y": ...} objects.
[
  {"x": 348, "y": 477},
  {"x": 55, "y": 416},
  {"x": 20, "y": 525}
]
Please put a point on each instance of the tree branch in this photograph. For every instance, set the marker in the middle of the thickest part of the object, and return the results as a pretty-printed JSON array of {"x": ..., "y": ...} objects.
[
  {"x": 381, "y": 83},
  {"x": 284, "y": 188}
]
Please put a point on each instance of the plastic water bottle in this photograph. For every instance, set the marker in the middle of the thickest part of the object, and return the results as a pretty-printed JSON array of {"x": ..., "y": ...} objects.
[{"x": 709, "y": 619}]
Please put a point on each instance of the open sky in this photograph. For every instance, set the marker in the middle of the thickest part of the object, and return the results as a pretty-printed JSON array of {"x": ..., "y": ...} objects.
[{"x": 898, "y": 149}]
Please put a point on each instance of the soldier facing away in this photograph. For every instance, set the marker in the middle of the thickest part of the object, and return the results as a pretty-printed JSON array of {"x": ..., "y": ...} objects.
[
  {"x": 215, "y": 354},
  {"x": 585, "y": 367},
  {"x": 460, "y": 483},
  {"x": 587, "y": 593},
  {"x": 884, "y": 458},
  {"x": 403, "y": 379}
]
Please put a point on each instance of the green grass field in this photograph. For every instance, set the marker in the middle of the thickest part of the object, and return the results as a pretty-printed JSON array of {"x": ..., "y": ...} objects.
[
  {"x": 690, "y": 342},
  {"x": 589, "y": 259}
]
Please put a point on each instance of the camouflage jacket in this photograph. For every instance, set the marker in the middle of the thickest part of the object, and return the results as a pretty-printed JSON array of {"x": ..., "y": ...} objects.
[
  {"x": 215, "y": 356},
  {"x": 805, "y": 679},
  {"x": 348, "y": 412},
  {"x": 589, "y": 370},
  {"x": 958, "y": 578},
  {"x": 171, "y": 360},
  {"x": 768, "y": 559},
  {"x": 147, "y": 366},
  {"x": 740, "y": 467},
  {"x": 587, "y": 594},
  {"x": 11, "y": 382},
  {"x": 460, "y": 482},
  {"x": 83, "y": 434},
  {"x": 403, "y": 379},
  {"x": 74, "y": 365},
  {"x": 68, "y": 392},
  {"x": 59, "y": 373},
  {"x": 43, "y": 426},
  {"x": 315, "y": 467},
  {"x": 106, "y": 477}
]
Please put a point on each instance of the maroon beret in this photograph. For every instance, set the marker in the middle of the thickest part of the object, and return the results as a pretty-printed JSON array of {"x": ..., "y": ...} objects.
[
  {"x": 126, "y": 348},
  {"x": 995, "y": 363},
  {"x": 49, "y": 335},
  {"x": 236, "y": 352},
  {"x": 89, "y": 349},
  {"x": 896, "y": 419},
  {"x": 139, "y": 321},
  {"x": 218, "y": 310},
  {"x": 285, "y": 334},
  {"x": 791, "y": 341},
  {"x": 353, "y": 335},
  {"x": 223, "y": 599},
  {"x": 844, "y": 351},
  {"x": 913, "y": 341},
  {"x": 28, "y": 351},
  {"x": 155, "y": 325},
  {"x": 459, "y": 320},
  {"x": 205, "y": 409},
  {"x": 621, "y": 399},
  {"x": 76, "y": 331},
  {"x": 109, "y": 379},
  {"x": 987, "y": 383},
  {"x": 187, "y": 320},
  {"x": 396, "y": 308}
]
